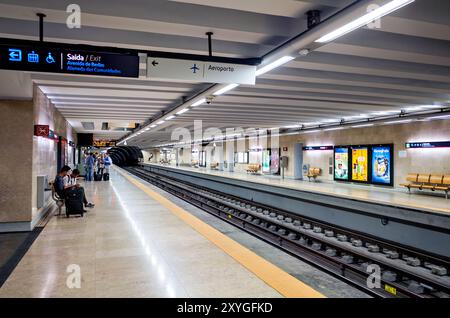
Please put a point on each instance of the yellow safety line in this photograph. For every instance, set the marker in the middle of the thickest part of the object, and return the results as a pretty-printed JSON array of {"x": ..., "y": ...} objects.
[{"x": 285, "y": 284}]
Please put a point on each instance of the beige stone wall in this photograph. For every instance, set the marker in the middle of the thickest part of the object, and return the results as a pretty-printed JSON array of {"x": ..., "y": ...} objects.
[
  {"x": 45, "y": 150},
  {"x": 417, "y": 160},
  {"x": 16, "y": 140}
]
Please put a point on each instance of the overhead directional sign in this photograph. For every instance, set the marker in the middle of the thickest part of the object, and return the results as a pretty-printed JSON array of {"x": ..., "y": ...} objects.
[
  {"x": 199, "y": 71},
  {"x": 35, "y": 57}
]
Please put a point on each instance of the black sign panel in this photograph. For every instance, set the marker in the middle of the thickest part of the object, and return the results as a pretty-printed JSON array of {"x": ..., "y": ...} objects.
[
  {"x": 42, "y": 58},
  {"x": 435, "y": 144}
]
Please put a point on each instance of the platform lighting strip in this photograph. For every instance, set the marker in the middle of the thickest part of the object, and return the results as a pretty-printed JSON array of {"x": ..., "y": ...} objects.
[
  {"x": 225, "y": 89},
  {"x": 364, "y": 20},
  {"x": 332, "y": 128},
  {"x": 199, "y": 102},
  {"x": 275, "y": 64},
  {"x": 182, "y": 111}
]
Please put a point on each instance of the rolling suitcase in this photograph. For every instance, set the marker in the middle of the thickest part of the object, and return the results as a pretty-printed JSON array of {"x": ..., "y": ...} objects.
[
  {"x": 74, "y": 202},
  {"x": 106, "y": 176},
  {"x": 97, "y": 177}
]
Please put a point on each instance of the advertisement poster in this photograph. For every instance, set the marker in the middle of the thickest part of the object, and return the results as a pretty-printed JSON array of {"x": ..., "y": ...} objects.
[
  {"x": 381, "y": 164},
  {"x": 266, "y": 161},
  {"x": 341, "y": 163},
  {"x": 360, "y": 165},
  {"x": 275, "y": 161}
]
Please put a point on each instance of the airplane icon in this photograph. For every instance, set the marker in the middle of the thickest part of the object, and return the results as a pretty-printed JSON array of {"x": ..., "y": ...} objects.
[{"x": 194, "y": 68}]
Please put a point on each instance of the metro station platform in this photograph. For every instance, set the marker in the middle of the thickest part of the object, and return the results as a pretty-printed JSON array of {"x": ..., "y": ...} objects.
[
  {"x": 137, "y": 243},
  {"x": 424, "y": 202}
]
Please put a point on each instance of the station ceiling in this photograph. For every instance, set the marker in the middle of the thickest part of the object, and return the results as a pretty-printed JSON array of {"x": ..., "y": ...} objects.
[{"x": 404, "y": 63}]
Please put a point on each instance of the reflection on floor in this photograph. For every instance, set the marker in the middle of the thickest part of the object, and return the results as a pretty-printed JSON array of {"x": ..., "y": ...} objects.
[
  {"x": 128, "y": 246},
  {"x": 421, "y": 201},
  {"x": 13, "y": 247}
]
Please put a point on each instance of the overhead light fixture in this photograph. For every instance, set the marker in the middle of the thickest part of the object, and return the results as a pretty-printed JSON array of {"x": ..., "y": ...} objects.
[
  {"x": 182, "y": 111},
  {"x": 310, "y": 131},
  {"x": 147, "y": 129},
  {"x": 335, "y": 128},
  {"x": 152, "y": 126},
  {"x": 385, "y": 113},
  {"x": 292, "y": 126},
  {"x": 362, "y": 125},
  {"x": 160, "y": 122},
  {"x": 199, "y": 102},
  {"x": 440, "y": 117},
  {"x": 364, "y": 20},
  {"x": 274, "y": 64},
  {"x": 170, "y": 117},
  {"x": 398, "y": 121},
  {"x": 225, "y": 89}
]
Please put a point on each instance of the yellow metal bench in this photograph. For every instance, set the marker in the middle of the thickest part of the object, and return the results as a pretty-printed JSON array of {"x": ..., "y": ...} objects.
[
  {"x": 433, "y": 182},
  {"x": 313, "y": 173}
]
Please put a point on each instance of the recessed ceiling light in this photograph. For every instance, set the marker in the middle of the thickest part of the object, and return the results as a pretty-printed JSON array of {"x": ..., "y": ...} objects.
[
  {"x": 364, "y": 20},
  {"x": 274, "y": 64},
  {"x": 182, "y": 111},
  {"x": 225, "y": 89},
  {"x": 199, "y": 102}
]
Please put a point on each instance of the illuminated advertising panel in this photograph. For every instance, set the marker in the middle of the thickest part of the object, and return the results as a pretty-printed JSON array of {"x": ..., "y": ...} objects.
[
  {"x": 382, "y": 165},
  {"x": 341, "y": 163},
  {"x": 360, "y": 164},
  {"x": 266, "y": 161},
  {"x": 275, "y": 161}
]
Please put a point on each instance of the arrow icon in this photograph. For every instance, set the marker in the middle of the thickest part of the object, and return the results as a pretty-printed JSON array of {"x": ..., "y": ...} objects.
[
  {"x": 154, "y": 63},
  {"x": 15, "y": 55}
]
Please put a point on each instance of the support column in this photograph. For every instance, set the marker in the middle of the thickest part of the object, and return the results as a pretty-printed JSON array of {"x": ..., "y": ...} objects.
[
  {"x": 298, "y": 161},
  {"x": 230, "y": 155}
]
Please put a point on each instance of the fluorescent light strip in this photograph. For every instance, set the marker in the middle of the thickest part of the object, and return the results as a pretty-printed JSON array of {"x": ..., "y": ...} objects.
[
  {"x": 274, "y": 64},
  {"x": 147, "y": 129},
  {"x": 182, "y": 111},
  {"x": 398, "y": 121},
  {"x": 363, "y": 125},
  {"x": 440, "y": 117},
  {"x": 310, "y": 131},
  {"x": 170, "y": 117},
  {"x": 336, "y": 128},
  {"x": 365, "y": 19},
  {"x": 160, "y": 122},
  {"x": 199, "y": 102},
  {"x": 225, "y": 89},
  {"x": 152, "y": 126},
  {"x": 292, "y": 126}
]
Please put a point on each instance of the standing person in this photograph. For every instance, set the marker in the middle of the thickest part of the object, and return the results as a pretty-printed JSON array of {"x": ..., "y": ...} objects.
[
  {"x": 100, "y": 165},
  {"x": 107, "y": 162},
  {"x": 90, "y": 161}
]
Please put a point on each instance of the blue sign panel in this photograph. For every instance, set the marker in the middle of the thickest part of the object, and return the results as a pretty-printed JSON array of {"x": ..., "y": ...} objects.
[
  {"x": 435, "y": 144},
  {"x": 36, "y": 57},
  {"x": 382, "y": 165}
]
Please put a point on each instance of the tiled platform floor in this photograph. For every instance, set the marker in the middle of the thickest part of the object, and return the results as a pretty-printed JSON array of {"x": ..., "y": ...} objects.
[{"x": 128, "y": 246}]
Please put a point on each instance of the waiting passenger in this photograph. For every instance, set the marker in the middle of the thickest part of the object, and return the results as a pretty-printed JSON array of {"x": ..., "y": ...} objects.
[
  {"x": 108, "y": 162},
  {"x": 70, "y": 181},
  {"x": 90, "y": 162},
  {"x": 100, "y": 165},
  {"x": 59, "y": 181}
]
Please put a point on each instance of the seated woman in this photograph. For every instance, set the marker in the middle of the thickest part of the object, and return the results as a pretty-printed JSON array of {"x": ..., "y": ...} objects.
[{"x": 70, "y": 181}]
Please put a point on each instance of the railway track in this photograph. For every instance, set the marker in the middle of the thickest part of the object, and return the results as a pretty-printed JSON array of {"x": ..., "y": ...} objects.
[{"x": 352, "y": 257}]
